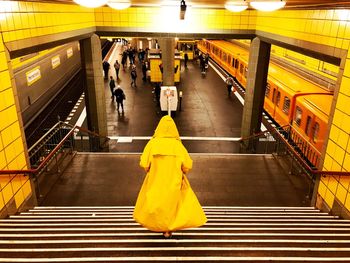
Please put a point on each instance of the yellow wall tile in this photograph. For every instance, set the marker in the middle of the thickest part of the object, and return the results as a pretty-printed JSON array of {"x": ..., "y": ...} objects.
[
  {"x": 329, "y": 198},
  {"x": 341, "y": 194},
  {"x": 332, "y": 185},
  {"x": 19, "y": 198},
  {"x": 322, "y": 189},
  {"x": 2, "y": 204},
  {"x": 7, "y": 193},
  {"x": 346, "y": 164},
  {"x": 3, "y": 162},
  {"x": 347, "y": 203}
]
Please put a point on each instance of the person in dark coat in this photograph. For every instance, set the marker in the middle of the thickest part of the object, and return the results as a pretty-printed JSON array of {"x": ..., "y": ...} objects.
[
  {"x": 112, "y": 86},
  {"x": 124, "y": 58},
  {"x": 157, "y": 91},
  {"x": 117, "y": 67},
  {"x": 105, "y": 66},
  {"x": 119, "y": 97},
  {"x": 133, "y": 75},
  {"x": 186, "y": 59},
  {"x": 144, "y": 70},
  {"x": 229, "y": 83}
]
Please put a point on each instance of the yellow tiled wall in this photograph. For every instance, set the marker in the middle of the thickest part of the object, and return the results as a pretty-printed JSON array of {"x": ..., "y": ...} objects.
[
  {"x": 12, "y": 155},
  {"x": 25, "y": 19},
  {"x": 196, "y": 20}
]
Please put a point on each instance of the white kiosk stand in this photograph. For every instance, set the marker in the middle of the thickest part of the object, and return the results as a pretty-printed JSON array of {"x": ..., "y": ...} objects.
[{"x": 168, "y": 99}]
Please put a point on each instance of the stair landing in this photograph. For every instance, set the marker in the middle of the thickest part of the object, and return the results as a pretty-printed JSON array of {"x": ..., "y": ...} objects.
[{"x": 110, "y": 179}]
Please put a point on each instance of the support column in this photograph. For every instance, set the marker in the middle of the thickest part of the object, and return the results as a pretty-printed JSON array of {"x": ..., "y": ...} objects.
[
  {"x": 167, "y": 45},
  {"x": 259, "y": 57},
  {"x": 94, "y": 84}
]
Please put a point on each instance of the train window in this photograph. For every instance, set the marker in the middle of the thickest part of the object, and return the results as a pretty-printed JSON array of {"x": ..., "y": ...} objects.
[
  {"x": 236, "y": 63},
  {"x": 298, "y": 114},
  {"x": 286, "y": 105},
  {"x": 241, "y": 68},
  {"x": 229, "y": 60},
  {"x": 278, "y": 98},
  {"x": 224, "y": 57},
  {"x": 308, "y": 125},
  {"x": 245, "y": 72},
  {"x": 273, "y": 95},
  {"x": 267, "y": 91},
  {"x": 316, "y": 130}
]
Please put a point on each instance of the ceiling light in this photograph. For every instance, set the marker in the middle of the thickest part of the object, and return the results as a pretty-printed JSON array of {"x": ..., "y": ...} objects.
[
  {"x": 236, "y": 6},
  {"x": 119, "y": 4},
  {"x": 268, "y": 5},
  {"x": 91, "y": 3}
]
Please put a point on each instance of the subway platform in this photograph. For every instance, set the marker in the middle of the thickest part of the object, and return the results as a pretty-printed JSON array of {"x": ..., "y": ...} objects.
[
  {"x": 209, "y": 121},
  {"x": 209, "y": 124}
]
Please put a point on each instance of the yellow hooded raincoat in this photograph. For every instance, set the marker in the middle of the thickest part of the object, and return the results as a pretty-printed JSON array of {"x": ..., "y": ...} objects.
[{"x": 166, "y": 201}]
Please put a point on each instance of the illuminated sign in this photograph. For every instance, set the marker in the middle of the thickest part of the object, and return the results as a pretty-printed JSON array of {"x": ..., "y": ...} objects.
[
  {"x": 69, "y": 52},
  {"x": 55, "y": 61},
  {"x": 33, "y": 75}
]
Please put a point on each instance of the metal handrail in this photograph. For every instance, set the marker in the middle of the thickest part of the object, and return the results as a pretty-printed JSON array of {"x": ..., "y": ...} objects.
[
  {"x": 53, "y": 152},
  {"x": 295, "y": 153}
]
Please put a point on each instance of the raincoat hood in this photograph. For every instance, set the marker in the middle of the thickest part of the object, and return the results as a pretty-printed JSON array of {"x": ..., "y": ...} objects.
[{"x": 166, "y": 129}]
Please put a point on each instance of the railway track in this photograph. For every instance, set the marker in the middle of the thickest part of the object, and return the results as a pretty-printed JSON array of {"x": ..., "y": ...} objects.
[{"x": 61, "y": 105}]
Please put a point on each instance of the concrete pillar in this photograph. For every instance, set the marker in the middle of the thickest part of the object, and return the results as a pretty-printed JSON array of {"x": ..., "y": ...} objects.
[
  {"x": 94, "y": 84},
  {"x": 259, "y": 57},
  {"x": 167, "y": 45}
]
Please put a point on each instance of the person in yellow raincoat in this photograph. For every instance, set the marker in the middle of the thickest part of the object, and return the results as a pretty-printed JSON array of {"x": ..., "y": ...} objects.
[{"x": 166, "y": 201}]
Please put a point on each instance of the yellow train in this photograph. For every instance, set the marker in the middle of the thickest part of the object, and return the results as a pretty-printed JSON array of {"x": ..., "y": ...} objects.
[
  {"x": 186, "y": 46},
  {"x": 289, "y": 98}
]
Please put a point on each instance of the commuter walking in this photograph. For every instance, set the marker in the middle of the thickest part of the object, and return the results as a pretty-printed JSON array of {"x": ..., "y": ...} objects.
[
  {"x": 144, "y": 71},
  {"x": 119, "y": 98},
  {"x": 117, "y": 67},
  {"x": 112, "y": 86},
  {"x": 133, "y": 75},
  {"x": 124, "y": 58},
  {"x": 229, "y": 83},
  {"x": 157, "y": 91},
  {"x": 186, "y": 59},
  {"x": 105, "y": 66},
  {"x": 166, "y": 202}
]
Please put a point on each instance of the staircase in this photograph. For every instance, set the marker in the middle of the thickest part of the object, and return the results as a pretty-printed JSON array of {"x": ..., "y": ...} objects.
[{"x": 232, "y": 234}]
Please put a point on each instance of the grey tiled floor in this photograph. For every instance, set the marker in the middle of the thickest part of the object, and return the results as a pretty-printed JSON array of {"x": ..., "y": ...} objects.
[{"x": 225, "y": 180}]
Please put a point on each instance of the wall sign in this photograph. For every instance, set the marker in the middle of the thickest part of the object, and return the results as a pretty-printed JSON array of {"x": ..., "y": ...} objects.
[{"x": 33, "y": 75}]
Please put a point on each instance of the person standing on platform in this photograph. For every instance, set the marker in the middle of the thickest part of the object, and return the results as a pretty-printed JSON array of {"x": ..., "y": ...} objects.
[
  {"x": 229, "y": 83},
  {"x": 117, "y": 67},
  {"x": 112, "y": 85},
  {"x": 119, "y": 97},
  {"x": 157, "y": 91},
  {"x": 144, "y": 71},
  {"x": 124, "y": 58},
  {"x": 166, "y": 202},
  {"x": 186, "y": 59},
  {"x": 133, "y": 75},
  {"x": 105, "y": 66}
]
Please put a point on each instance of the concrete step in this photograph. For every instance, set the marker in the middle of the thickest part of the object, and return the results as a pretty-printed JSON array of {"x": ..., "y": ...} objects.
[
  {"x": 177, "y": 251},
  {"x": 232, "y": 234}
]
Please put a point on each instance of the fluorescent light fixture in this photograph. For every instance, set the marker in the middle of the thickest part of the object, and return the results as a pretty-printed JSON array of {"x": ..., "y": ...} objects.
[
  {"x": 119, "y": 4},
  {"x": 91, "y": 3},
  {"x": 236, "y": 6},
  {"x": 267, "y": 5},
  {"x": 183, "y": 8}
]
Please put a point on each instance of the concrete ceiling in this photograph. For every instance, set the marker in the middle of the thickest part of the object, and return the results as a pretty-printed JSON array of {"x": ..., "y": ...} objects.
[{"x": 291, "y": 4}]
